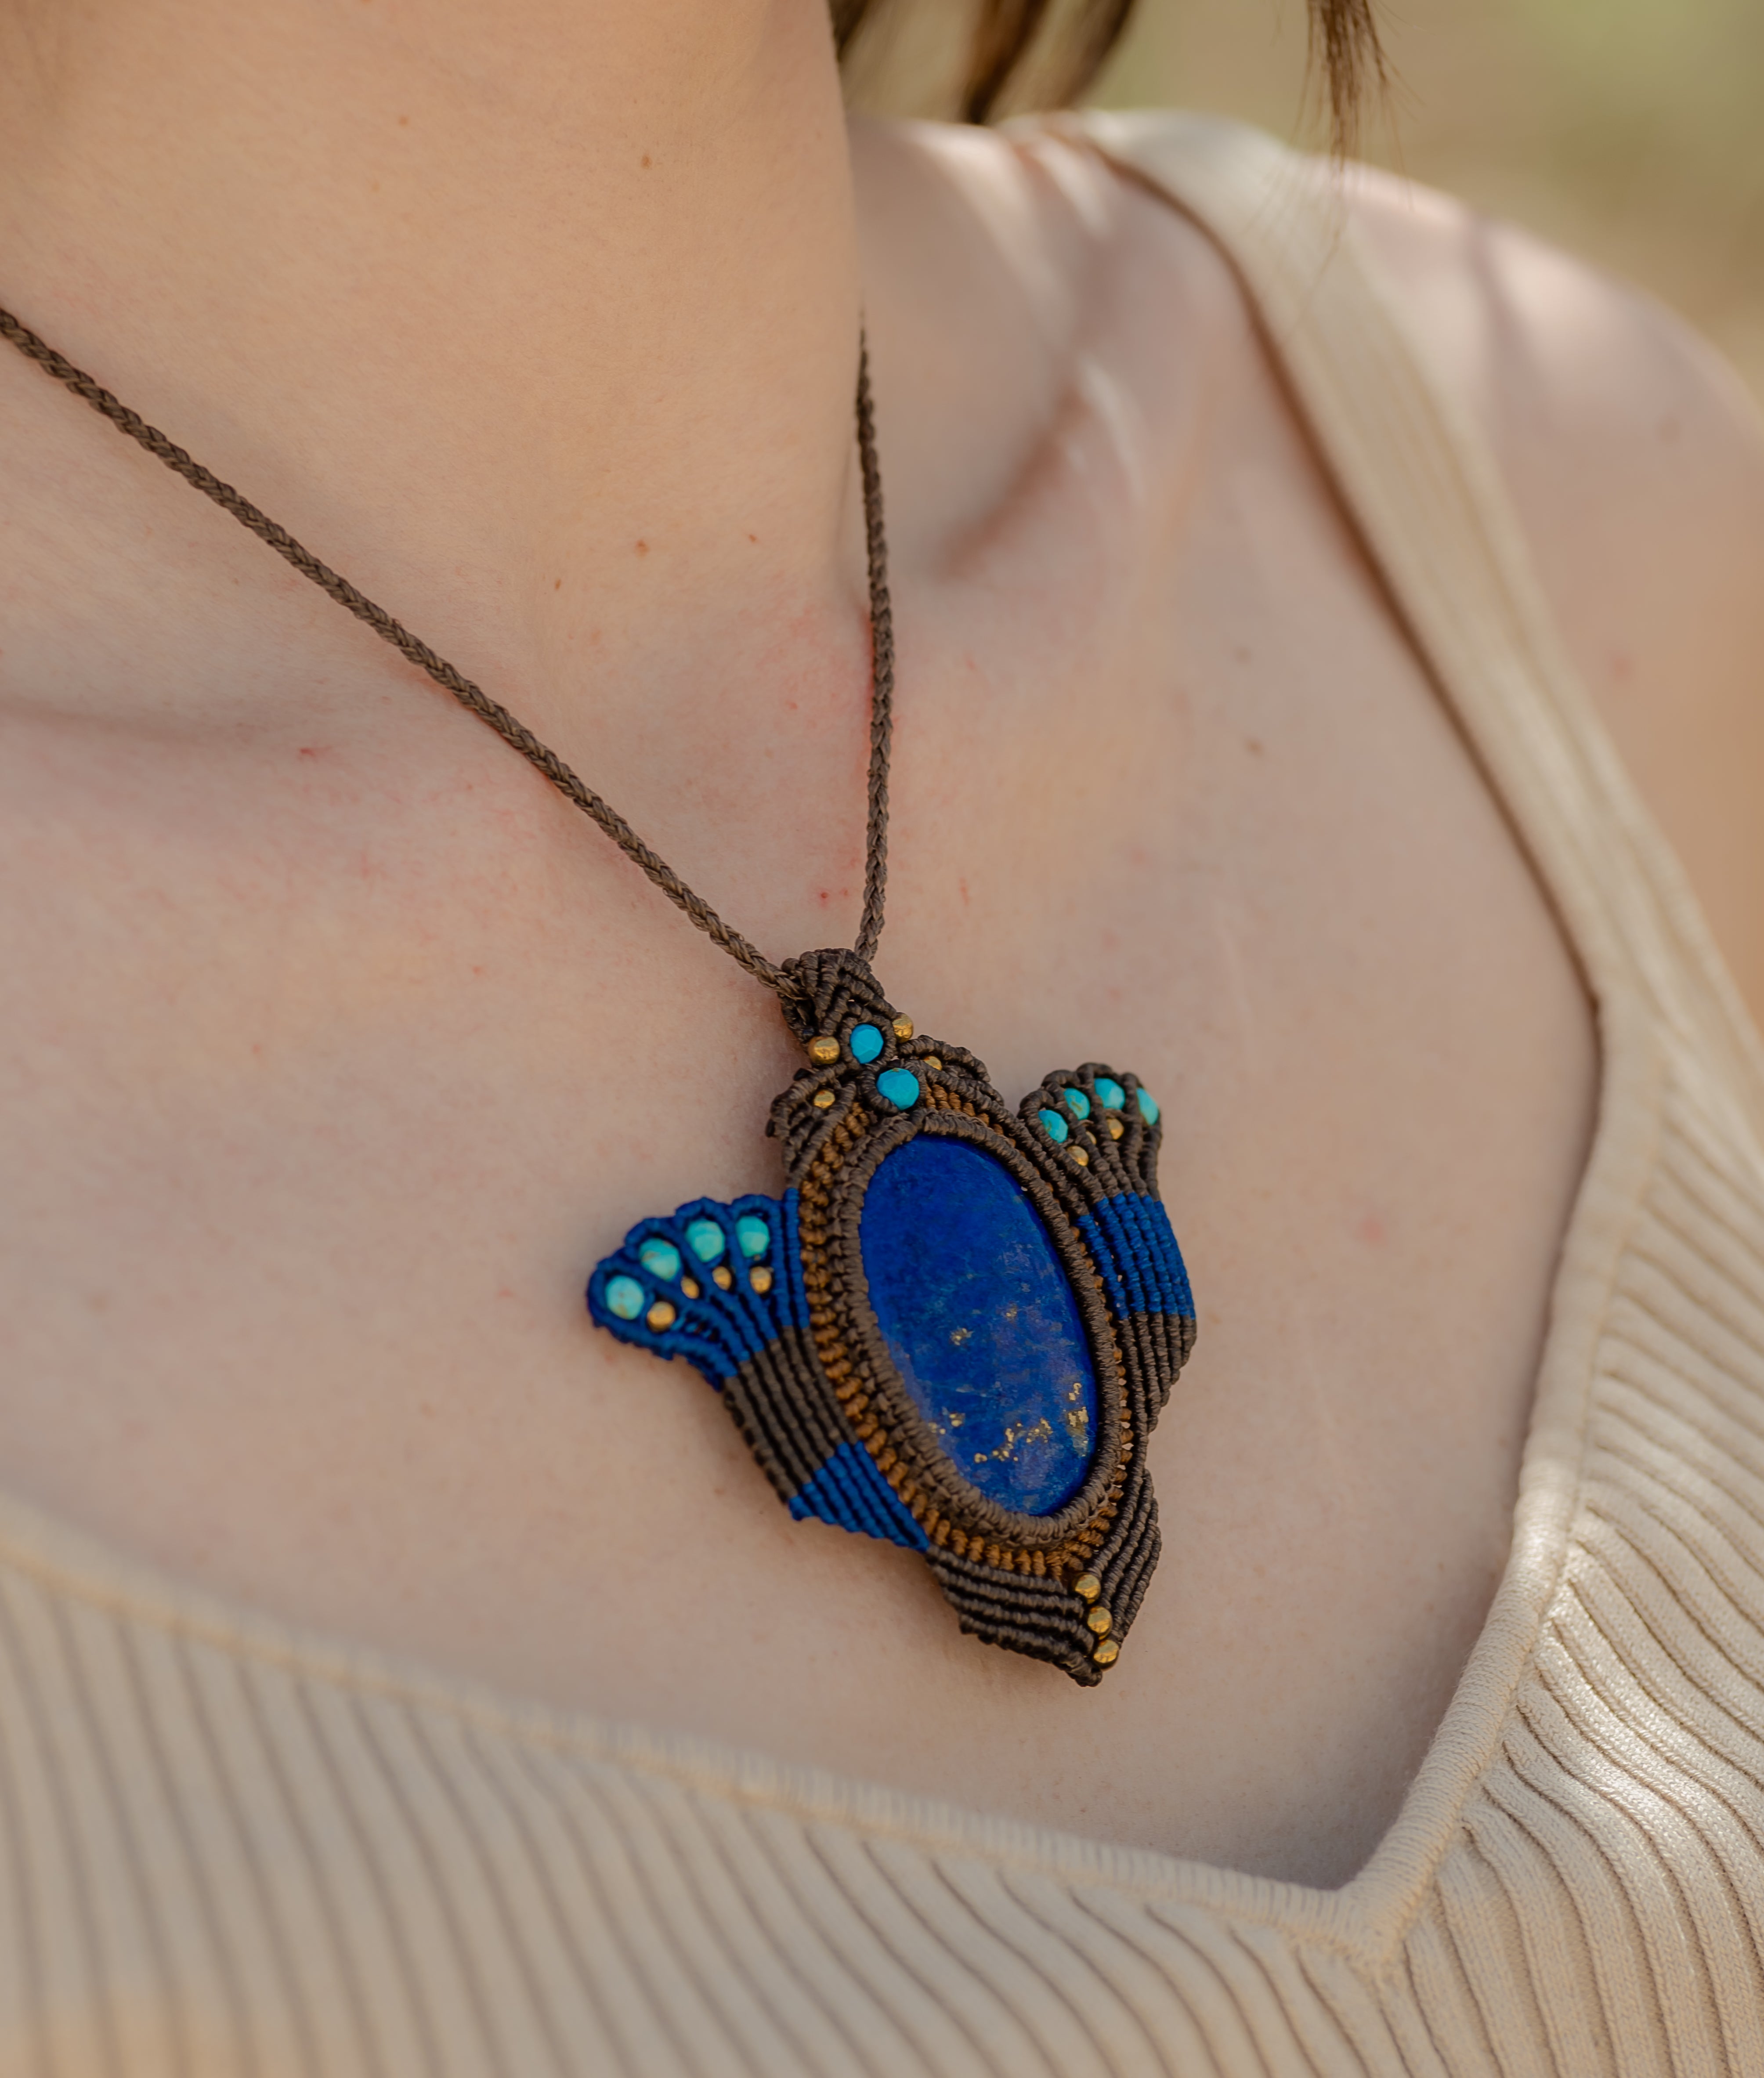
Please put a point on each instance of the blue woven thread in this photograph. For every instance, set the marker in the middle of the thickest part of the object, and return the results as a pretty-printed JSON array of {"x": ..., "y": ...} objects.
[
  {"x": 850, "y": 1492},
  {"x": 718, "y": 1331},
  {"x": 1131, "y": 1239}
]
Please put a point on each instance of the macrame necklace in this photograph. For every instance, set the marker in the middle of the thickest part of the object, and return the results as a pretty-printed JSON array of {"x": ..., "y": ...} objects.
[{"x": 956, "y": 1327}]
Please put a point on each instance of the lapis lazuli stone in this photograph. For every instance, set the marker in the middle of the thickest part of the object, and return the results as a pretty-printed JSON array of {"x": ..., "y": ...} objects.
[
  {"x": 981, "y": 1321},
  {"x": 1109, "y": 1093},
  {"x": 1056, "y": 1125},
  {"x": 901, "y": 1089},
  {"x": 865, "y": 1043},
  {"x": 708, "y": 1240},
  {"x": 624, "y": 1297},
  {"x": 753, "y": 1234},
  {"x": 1148, "y": 1107}
]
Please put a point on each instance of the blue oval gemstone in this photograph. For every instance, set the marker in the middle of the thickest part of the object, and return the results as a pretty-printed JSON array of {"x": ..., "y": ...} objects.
[
  {"x": 754, "y": 1235},
  {"x": 865, "y": 1043},
  {"x": 1076, "y": 1102},
  {"x": 1109, "y": 1093},
  {"x": 981, "y": 1321},
  {"x": 901, "y": 1089},
  {"x": 1148, "y": 1107},
  {"x": 1055, "y": 1125}
]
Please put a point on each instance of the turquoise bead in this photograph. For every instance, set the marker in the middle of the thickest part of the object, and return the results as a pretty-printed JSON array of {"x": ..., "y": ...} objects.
[
  {"x": 1077, "y": 1103},
  {"x": 661, "y": 1259},
  {"x": 706, "y": 1241},
  {"x": 1148, "y": 1107},
  {"x": 624, "y": 1297},
  {"x": 1055, "y": 1125},
  {"x": 1109, "y": 1093},
  {"x": 901, "y": 1089},
  {"x": 865, "y": 1043},
  {"x": 754, "y": 1236}
]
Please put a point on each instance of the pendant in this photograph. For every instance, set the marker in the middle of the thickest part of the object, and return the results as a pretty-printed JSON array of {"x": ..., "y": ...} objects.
[{"x": 956, "y": 1327}]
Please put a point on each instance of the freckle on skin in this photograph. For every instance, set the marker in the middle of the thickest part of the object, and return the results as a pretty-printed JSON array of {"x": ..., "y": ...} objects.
[
  {"x": 646, "y": 158},
  {"x": 643, "y": 548}
]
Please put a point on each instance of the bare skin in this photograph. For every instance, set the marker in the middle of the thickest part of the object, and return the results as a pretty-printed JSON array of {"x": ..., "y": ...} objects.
[{"x": 326, "y": 1019}]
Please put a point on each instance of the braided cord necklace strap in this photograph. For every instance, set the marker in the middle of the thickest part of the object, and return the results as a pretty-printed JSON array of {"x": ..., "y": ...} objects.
[
  {"x": 881, "y": 672},
  {"x": 515, "y": 733}
]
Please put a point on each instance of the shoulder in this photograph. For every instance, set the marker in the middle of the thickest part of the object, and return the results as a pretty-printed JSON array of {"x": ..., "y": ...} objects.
[
  {"x": 1014, "y": 282},
  {"x": 1635, "y": 459}
]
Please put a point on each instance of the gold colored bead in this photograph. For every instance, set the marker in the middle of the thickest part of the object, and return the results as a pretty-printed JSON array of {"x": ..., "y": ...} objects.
[
  {"x": 932, "y": 1062},
  {"x": 688, "y": 1286},
  {"x": 721, "y": 1278},
  {"x": 1100, "y": 1620},
  {"x": 660, "y": 1316},
  {"x": 904, "y": 1028},
  {"x": 1106, "y": 1652},
  {"x": 824, "y": 1051},
  {"x": 1116, "y": 1128},
  {"x": 823, "y": 1101},
  {"x": 1087, "y": 1585},
  {"x": 1081, "y": 1157},
  {"x": 761, "y": 1280}
]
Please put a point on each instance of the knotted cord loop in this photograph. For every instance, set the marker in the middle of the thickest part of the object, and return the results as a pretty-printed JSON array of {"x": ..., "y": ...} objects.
[{"x": 514, "y": 733}]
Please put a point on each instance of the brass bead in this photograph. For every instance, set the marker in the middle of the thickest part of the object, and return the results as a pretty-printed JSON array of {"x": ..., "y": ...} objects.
[
  {"x": 904, "y": 1028},
  {"x": 1106, "y": 1652},
  {"x": 1087, "y": 1585},
  {"x": 688, "y": 1286},
  {"x": 932, "y": 1062},
  {"x": 824, "y": 1051},
  {"x": 1081, "y": 1157},
  {"x": 823, "y": 1101},
  {"x": 660, "y": 1316},
  {"x": 720, "y": 1277},
  {"x": 1116, "y": 1128},
  {"x": 1100, "y": 1620},
  {"x": 761, "y": 1280}
]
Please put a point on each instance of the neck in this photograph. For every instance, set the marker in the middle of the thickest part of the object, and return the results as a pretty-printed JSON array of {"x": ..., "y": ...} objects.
[{"x": 463, "y": 285}]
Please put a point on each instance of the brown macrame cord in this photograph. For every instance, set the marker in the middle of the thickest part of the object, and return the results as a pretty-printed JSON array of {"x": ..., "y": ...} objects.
[{"x": 515, "y": 733}]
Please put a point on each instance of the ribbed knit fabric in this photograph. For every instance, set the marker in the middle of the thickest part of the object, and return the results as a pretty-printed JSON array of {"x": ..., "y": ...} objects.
[{"x": 226, "y": 1848}]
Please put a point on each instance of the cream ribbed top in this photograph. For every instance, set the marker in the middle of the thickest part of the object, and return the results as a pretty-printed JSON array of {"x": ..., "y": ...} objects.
[{"x": 228, "y": 1848}]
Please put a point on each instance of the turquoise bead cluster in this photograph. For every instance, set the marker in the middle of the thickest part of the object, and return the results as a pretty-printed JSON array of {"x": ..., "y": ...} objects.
[
  {"x": 897, "y": 1086},
  {"x": 1109, "y": 1094},
  {"x": 709, "y": 1244}
]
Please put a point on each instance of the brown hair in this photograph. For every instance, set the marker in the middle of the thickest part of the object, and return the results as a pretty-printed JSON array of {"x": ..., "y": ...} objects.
[{"x": 1344, "y": 44}]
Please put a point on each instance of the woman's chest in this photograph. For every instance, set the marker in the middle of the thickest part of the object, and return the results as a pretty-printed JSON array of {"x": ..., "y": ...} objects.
[{"x": 332, "y": 1077}]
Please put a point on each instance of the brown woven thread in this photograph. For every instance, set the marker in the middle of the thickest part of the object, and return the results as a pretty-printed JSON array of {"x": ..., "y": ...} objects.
[{"x": 515, "y": 733}]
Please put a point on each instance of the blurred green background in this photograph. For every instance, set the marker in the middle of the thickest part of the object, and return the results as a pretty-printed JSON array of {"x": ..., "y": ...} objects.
[{"x": 1629, "y": 130}]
